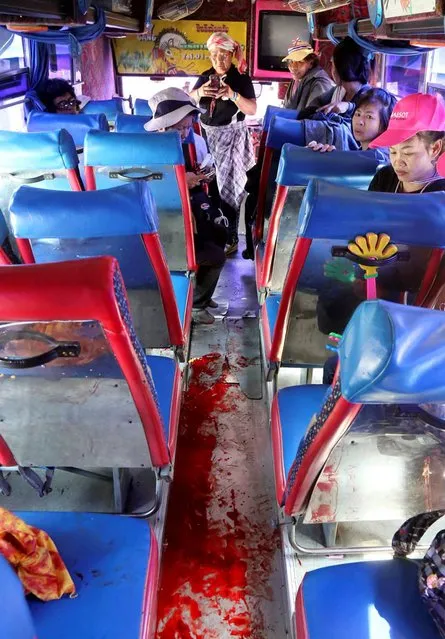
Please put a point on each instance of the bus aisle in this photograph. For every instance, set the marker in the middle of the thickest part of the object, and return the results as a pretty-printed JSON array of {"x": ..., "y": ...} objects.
[{"x": 221, "y": 567}]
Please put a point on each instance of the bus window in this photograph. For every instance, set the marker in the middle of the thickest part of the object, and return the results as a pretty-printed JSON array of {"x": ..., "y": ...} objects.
[
  {"x": 405, "y": 74},
  {"x": 436, "y": 80},
  {"x": 12, "y": 116},
  {"x": 62, "y": 65},
  {"x": 11, "y": 53}
]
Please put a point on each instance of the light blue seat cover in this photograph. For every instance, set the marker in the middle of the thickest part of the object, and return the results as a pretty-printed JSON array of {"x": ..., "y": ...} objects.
[
  {"x": 282, "y": 130},
  {"x": 111, "y": 108},
  {"x": 77, "y": 125},
  {"x": 107, "y": 557},
  {"x": 126, "y": 123},
  {"x": 272, "y": 305},
  {"x": 141, "y": 107},
  {"x": 271, "y": 111},
  {"x": 15, "y": 617},
  {"x": 374, "y": 600},
  {"x": 163, "y": 371}
]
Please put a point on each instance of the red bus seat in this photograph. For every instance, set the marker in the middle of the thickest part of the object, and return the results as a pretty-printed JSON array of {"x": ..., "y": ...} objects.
[
  {"x": 121, "y": 222},
  {"x": 70, "y": 358}
]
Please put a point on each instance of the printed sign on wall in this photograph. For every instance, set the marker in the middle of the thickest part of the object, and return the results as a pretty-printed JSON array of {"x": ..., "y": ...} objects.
[
  {"x": 408, "y": 8},
  {"x": 172, "y": 48}
]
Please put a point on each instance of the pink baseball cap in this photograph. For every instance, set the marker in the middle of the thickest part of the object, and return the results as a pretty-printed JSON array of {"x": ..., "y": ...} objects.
[
  {"x": 441, "y": 165},
  {"x": 413, "y": 114}
]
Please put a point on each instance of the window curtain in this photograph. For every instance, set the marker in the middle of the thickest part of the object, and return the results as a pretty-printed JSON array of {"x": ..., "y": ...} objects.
[{"x": 39, "y": 65}]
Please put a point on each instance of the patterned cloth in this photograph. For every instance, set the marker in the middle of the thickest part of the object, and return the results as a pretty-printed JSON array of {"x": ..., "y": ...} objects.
[
  {"x": 332, "y": 396},
  {"x": 221, "y": 40},
  {"x": 35, "y": 558},
  {"x": 232, "y": 150}
]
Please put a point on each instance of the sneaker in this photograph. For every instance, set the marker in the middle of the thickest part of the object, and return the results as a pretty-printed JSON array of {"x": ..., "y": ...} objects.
[
  {"x": 212, "y": 304},
  {"x": 202, "y": 316},
  {"x": 231, "y": 248}
]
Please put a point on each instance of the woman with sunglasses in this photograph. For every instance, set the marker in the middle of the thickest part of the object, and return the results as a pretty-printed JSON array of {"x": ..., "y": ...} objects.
[
  {"x": 226, "y": 94},
  {"x": 58, "y": 97}
]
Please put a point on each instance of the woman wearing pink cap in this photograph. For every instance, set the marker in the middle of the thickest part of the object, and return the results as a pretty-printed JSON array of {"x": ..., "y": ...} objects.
[{"x": 416, "y": 139}]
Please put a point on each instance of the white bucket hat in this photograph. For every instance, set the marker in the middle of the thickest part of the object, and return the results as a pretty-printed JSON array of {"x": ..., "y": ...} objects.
[{"x": 169, "y": 107}]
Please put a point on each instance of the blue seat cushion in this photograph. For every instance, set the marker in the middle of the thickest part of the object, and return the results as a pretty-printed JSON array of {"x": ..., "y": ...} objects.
[
  {"x": 163, "y": 370},
  {"x": 107, "y": 557},
  {"x": 366, "y": 600},
  {"x": 181, "y": 285},
  {"x": 297, "y": 405},
  {"x": 272, "y": 304}
]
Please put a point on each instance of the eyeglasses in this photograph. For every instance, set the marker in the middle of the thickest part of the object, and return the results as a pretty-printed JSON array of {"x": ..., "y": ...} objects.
[
  {"x": 64, "y": 105},
  {"x": 220, "y": 56}
]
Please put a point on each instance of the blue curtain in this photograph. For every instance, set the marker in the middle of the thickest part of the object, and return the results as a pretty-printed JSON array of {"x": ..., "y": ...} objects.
[
  {"x": 74, "y": 37},
  {"x": 39, "y": 65}
]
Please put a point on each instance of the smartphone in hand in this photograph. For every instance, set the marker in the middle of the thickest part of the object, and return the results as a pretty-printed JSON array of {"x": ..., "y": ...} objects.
[{"x": 215, "y": 81}]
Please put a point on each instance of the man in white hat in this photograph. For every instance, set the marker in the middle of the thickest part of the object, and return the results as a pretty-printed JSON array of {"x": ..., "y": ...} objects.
[
  {"x": 309, "y": 79},
  {"x": 173, "y": 109}
]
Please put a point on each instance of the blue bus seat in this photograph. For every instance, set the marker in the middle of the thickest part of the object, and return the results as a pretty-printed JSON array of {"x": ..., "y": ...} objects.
[
  {"x": 131, "y": 123},
  {"x": 77, "y": 125},
  {"x": 320, "y": 293},
  {"x": 6, "y": 254},
  {"x": 44, "y": 160},
  {"x": 390, "y": 354},
  {"x": 281, "y": 130},
  {"x": 159, "y": 159},
  {"x": 298, "y": 165},
  {"x": 15, "y": 617},
  {"x": 121, "y": 222},
  {"x": 114, "y": 563},
  {"x": 141, "y": 107},
  {"x": 110, "y": 108},
  {"x": 272, "y": 111},
  {"x": 378, "y": 599},
  {"x": 89, "y": 396}
]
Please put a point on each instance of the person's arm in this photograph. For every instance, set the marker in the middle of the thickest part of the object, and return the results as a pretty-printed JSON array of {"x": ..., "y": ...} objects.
[
  {"x": 318, "y": 89},
  {"x": 246, "y": 105},
  {"x": 198, "y": 92}
]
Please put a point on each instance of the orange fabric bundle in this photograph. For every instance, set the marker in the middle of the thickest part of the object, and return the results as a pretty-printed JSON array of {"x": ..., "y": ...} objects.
[{"x": 35, "y": 558}]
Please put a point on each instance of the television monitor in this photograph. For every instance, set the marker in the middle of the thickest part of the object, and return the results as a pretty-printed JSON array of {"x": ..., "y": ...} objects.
[{"x": 276, "y": 30}]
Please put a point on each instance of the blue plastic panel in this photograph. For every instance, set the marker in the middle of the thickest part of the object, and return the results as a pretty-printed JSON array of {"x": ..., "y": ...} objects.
[
  {"x": 373, "y": 600},
  {"x": 131, "y": 123},
  {"x": 271, "y": 111},
  {"x": 109, "y": 107},
  {"x": 132, "y": 149},
  {"x": 391, "y": 353},
  {"x": 283, "y": 130},
  {"x": 336, "y": 212},
  {"x": 298, "y": 165},
  {"x": 141, "y": 107},
  {"x": 37, "y": 151},
  {"x": 107, "y": 557},
  {"x": 76, "y": 125},
  {"x": 125, "y": 210},
  {"x": 15, "y": 615}
]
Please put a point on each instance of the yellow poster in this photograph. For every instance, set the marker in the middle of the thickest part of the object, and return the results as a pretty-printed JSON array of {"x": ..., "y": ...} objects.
[{"x": 172, "y": 48}]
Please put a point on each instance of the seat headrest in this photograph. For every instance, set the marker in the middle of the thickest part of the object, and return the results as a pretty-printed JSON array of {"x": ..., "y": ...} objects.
[
  {"x": 131, "y": 123},
  {"x": 76, "y": 125},
  {"x": 282, "y": 130},
  {"x": 141, "y": 107},
  {"x": 298, "y": 165},
  {"x": 329, "y": 211},
  {"x": 289, "y": 114},
  {"x": 132, "y": 149},
  {"x": 29, "y": 151},
  {"x": 109, "y": 107},
  {"x": 124, "y": 210},
  {"x": 391, "y": 353}
]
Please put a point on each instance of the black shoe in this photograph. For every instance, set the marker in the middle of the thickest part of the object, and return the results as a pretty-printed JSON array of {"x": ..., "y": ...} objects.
[{"x": 247, "y": 255}]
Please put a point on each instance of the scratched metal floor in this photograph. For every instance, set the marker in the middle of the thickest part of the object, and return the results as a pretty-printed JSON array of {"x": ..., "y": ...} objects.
[{"x": 222, "y": 568}]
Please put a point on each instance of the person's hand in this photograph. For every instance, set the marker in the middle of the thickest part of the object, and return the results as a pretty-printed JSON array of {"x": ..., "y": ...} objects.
[
  {"x": 322, "y": 148},
  {"x": 225, "y": 91},
  {"x": 193, "y": 179},
  {"x": 334, "y": 107},
  {"x": 207, "y": 91}
]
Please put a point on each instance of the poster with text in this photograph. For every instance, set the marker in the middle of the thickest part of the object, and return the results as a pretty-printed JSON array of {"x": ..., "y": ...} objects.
[
  {"x": 407, "y": 8},
  {"x": 172, "y": 48}
]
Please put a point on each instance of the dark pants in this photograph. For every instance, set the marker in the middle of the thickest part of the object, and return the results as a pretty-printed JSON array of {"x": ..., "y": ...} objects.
[
  {"x": 252, "y": 188},
  {"x": 329, "y": 369},
  {"x": 206, "y": 280},
  {"x": 231, "y": 214}
]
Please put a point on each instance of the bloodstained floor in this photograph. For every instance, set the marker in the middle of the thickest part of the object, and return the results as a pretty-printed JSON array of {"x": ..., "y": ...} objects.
[{"x": 221, "y": 566}]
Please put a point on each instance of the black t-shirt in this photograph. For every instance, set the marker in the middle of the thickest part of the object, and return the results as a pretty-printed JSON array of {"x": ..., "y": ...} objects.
[
  {"x": 225, "y": 111},
  {"x": 386, "y": 180}
]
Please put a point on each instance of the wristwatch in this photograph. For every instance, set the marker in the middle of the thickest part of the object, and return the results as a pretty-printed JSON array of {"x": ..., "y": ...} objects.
[{"x": 235, "y": 97}]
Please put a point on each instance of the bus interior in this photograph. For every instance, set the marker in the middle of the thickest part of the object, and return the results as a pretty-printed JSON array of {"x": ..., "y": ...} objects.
[{"x": 166, "y": 478}]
